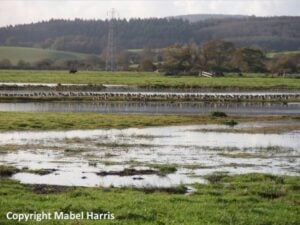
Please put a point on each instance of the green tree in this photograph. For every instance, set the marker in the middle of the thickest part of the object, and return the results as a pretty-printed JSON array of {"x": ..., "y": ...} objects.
[
  {"x": 123, "y": 60},
  {"x": 23, "y": 65},
  {"x": 5, "y": 64},
  {"x": 43, "y": 64},
  {"x": 248, "y": 60},
  {"x": 216, "y": 55},
  {"x": 147, "y": 65},
  {"x": 286, "y": 63},
  {"x": 178, "y": 59}
]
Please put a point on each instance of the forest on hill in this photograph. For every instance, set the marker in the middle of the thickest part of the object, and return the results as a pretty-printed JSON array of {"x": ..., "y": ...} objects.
[{"x": 90, "y": 36}]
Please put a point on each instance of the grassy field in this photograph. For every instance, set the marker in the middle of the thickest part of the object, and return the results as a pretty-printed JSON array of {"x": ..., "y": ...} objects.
[
  {"x": 14, "y": 54},
  {"x": 273, "y": 54},
  {"x": 61, "y": 121},
  {"x": 146, "y": 79},
  {"x": 255, "y": 199}
]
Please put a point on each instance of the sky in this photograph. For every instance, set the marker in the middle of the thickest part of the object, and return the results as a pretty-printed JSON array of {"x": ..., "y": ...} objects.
[{"x": 14, "y": 12}]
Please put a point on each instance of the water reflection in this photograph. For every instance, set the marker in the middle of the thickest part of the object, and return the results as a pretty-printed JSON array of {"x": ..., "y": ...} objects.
[
  {"x": 79, "y": 154},
  {"x": 156, "y": 107}
]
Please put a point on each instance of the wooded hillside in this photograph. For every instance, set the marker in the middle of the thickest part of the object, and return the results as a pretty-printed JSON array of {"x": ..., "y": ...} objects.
[{"x": 90, "y": 36}]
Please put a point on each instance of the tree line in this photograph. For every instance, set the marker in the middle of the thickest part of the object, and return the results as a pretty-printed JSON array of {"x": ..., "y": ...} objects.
[
  {"x": 217, "y": 56},
  {"x": 90, "y": 36},
  {"x": 214, "y": 56}
]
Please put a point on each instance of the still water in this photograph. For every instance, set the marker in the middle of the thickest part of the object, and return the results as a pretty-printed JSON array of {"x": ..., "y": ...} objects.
[
  {"x": 245, "y": 108},
  {"x": 77, "y": 157}
]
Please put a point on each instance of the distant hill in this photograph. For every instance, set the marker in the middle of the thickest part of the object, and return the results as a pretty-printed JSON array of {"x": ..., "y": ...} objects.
[
  {"x": 14, "y": 54},
  {"x": 90, "y": 36},
  {"x": 200, "y": 17}
]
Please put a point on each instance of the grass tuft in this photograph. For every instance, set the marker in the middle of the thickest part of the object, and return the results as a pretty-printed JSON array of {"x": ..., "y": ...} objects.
[
  {"x": 218, "y": 114},
  {"x": 216, "y": 177},
  {"x": 165, "y": 169},
  {"x": 231, "y": 123},
  {"x": 273, "y": 192},
  {"x": 7, "y": 171}
]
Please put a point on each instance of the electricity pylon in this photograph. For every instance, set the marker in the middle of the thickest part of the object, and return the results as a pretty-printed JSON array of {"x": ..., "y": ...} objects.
[{"x": 111, "y": 64}]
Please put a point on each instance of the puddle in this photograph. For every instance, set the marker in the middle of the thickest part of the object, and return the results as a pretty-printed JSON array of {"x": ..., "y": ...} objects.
[
  {"x": 98, "y": 157},
  {"x": 91, "y": 180}
]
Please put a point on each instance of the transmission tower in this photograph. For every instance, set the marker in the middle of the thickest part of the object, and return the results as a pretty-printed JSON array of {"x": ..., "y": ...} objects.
[{"x": 111, "y": 45}]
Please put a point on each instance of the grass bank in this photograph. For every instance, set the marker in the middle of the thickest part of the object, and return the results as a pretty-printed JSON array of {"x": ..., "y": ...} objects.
[
  {"x": 151, "y": 80},
  {"x": 64, "y": 121},
  {"x": 243, "y": 199}
]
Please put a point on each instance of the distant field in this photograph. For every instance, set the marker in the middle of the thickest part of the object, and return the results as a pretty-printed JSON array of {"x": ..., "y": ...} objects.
[
  {"x": 14, "y": 54},
  {"x": 139, "y": 50},
  {"x": 147, "y": 79},
  {"x": 273, "y": 54}
]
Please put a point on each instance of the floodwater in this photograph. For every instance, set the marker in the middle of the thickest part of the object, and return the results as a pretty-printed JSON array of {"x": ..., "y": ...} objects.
[
  {"x": 77, "y": 157},
  {"x": 235, "y": 108},
  {"x": 20, "y": 84}
]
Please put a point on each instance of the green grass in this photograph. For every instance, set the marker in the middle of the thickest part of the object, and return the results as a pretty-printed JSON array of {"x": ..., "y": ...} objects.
[
  {"x": 135, "y": 50},
  {"x": 274, "y": 54},
  {"x": 164, "y": 169},
  {"x": 255, "y": 199},
  {"x": 14, "y": 54},
  {"x": 150, "y": 79},
  {"x": 66, "y": 121}
]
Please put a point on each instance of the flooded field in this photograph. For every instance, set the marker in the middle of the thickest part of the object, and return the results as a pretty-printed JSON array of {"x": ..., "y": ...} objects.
[
  {"x": 235, "y": 108},
  {"x": 148, "y": 157}
]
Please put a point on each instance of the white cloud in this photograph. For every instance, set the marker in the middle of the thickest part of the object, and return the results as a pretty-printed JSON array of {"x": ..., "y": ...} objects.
[{"x": 27, "y": 11}]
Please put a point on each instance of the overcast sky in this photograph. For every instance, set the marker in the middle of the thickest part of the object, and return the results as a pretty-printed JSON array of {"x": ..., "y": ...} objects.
[{"x": 27, "y": 11}]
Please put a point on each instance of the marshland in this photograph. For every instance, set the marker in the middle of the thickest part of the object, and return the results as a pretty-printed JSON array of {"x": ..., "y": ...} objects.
[{"x": 187, "y": 120}]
